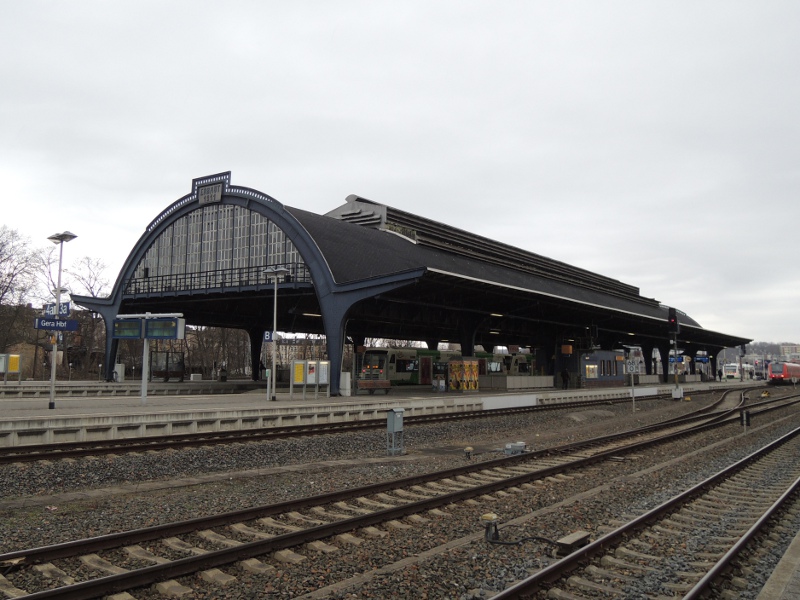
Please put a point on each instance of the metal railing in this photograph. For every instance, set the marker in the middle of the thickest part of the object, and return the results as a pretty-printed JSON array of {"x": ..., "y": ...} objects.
[{"x": 220, "y": 279}]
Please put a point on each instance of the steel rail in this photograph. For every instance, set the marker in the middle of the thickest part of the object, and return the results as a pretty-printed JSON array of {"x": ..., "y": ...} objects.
[
  {"x": 189, "y": 565},
  {"x": 66, "y": 549},
  {"x": 555, "y": 570}
]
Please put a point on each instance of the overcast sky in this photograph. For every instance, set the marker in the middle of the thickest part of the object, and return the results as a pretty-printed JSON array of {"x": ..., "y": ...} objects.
[{"x": 652, "y": 142}]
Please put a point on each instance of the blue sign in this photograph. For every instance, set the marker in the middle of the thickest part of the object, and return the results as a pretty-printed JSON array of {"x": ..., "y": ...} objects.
[
  {"x": 56, "y": 324},
  {"x": 50, "y": 309},
  {"x": 268, "y": 336}
]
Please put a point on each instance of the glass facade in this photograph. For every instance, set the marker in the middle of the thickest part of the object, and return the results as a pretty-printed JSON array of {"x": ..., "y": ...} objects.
[{"x": 215, "y": 246}]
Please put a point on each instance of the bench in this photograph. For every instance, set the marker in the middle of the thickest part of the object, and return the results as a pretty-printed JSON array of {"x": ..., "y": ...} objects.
[{"x": 374, "y": 384}]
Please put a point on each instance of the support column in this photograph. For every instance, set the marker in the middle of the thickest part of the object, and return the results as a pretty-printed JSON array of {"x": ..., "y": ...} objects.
[
  {"x": 663, "y": 350},
  {"x": 256, "y": 339},
  {"x": 647, "y": 354}
]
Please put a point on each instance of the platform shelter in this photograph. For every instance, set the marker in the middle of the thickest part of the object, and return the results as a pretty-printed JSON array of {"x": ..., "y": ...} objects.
[{"x": 366, "y": 269}]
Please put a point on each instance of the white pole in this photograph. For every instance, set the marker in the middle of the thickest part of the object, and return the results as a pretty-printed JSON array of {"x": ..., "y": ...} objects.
[
  {"x": 52, "y": 403},
  {"x": 274, "y": 335},
  {"x": 145, "y": 368}
]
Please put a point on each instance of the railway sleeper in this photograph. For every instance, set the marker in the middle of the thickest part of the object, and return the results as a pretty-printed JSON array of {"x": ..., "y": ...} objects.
[
  {"x": 270, "y": 522},
  {"x": 625, "y": 552},
  {"x": 392, "y": 500},
  {"x": 353, "y": 509},
  {"x": 660, "y": 529},
  {"x": 679, "y": 587},
  {"x": 220, "y": 540},
  {"x": 289, "y": 557},
  {"x": 139, "y": 553},
  {"x": 172, "y": 589},
  {"x": 320, "y": 546},
  {"x": 183, "y": 547},
  {"x": 301, "y": 518},
  {"x": 217, "y": 577},
  {"x": 374, "y": 503},
  {"x": 93, "y": 561},
  {"x": 559, "y": 594},
  {"x": 10, "y": 591},
  {"x": 51, "y": 571},
  {"x": 605, "y": 574},
  {"x": 583, "y": 584},
  {"x": 250, "y": 531},
  {"x": 411, "y": 495},
  {"x": 612, "y": 561},
  {"x": 332, "y": 516}
]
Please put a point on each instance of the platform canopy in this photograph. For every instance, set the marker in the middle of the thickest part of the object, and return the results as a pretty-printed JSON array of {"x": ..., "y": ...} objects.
[{"x": 367, "y": 270}]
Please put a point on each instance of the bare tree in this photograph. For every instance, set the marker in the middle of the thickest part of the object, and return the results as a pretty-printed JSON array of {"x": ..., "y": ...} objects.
[
  {"x": 18, "y": 263},
  {"x": 88, "y": 275}
]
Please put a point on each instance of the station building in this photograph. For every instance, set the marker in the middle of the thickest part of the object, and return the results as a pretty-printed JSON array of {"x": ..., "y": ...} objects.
[{"x": 366, "y": 269}]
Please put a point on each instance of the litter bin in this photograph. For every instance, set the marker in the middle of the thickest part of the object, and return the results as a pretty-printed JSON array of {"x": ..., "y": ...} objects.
[{"x": 119, "y": 373}]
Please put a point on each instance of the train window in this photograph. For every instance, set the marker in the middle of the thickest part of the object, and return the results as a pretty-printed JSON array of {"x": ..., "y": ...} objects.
[
  {"x": 591, "y": 371},
  {"x": 524, "y": 367},
  {"x": 494, "y": 367},
  {"x": 405, "y": 365}
]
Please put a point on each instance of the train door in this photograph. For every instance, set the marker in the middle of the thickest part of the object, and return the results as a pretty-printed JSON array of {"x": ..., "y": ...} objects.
[{"x": 425, "y": 369}]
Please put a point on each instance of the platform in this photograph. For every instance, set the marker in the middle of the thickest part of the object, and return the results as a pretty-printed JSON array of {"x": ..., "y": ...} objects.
[{"x": 79, "y": 417}]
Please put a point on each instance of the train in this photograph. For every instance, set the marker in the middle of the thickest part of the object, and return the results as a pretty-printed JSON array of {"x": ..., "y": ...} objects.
[
  {"x": 732, "y": 371},
  {"x": 783, "y": 372},
  {"x": 421, "y": 366}
]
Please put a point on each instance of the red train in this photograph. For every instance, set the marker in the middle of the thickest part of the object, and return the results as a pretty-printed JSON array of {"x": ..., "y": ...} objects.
[{"x": 783, "y": 372}]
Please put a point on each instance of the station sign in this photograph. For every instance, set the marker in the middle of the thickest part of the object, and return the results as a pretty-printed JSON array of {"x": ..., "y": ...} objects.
[
  {"x": 55, "y": 324},
  {"x": 127, "y": 329},
  {"x": 50, "y": 309},
  {"x": 169, "y": 328},
  {"x": 269, "y": 336}
]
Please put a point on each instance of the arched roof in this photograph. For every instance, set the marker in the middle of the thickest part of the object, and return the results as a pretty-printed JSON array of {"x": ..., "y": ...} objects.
[{"x": 376, "y": 271}]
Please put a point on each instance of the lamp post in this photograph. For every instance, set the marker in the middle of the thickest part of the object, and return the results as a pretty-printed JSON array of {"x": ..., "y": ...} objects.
[
  {"x": 57, "y": 238},
  {"x": 274, "y": 271}
]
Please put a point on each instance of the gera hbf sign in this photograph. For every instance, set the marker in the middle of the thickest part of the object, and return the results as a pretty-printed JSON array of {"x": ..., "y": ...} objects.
[{"x": 55, "y": 324}]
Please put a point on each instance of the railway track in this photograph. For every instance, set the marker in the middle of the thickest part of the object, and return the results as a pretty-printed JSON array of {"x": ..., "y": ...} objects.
[
  {"x": 93, "y": 567},
  {"x": 686, "y": 545},
  {"x": 34, "y": 452}
]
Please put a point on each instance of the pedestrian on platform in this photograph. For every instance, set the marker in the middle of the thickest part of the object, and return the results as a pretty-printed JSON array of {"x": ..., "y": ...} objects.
[{"x": 564, "y": 379}]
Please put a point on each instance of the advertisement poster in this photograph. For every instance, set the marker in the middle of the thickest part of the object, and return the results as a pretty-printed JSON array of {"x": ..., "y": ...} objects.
[
  {"x": 311, "y": 372},
  {"x": 298, "y": 377},
  {"x": 324, "y": 368}
]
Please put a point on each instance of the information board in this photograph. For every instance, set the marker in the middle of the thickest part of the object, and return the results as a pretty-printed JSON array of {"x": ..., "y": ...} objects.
[
  {"x": 171, "y": 328},
  {"x": 127, "y": 329}
]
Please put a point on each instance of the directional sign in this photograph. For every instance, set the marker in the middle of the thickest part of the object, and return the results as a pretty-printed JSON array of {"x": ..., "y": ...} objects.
[
  {"x": 56, "y": 324},
  {"x": 50, "y": 309}
]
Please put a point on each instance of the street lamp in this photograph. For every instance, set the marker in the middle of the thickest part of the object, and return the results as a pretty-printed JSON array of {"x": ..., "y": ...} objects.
[
  {"x": 57, "y": 238},
  {"x": 274, "y": 271}
]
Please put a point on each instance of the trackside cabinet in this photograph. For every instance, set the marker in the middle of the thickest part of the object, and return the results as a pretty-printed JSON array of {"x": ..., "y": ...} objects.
[{"x": 394, "y": 431}]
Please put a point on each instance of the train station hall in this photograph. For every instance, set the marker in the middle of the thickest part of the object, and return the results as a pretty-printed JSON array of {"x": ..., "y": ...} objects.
[{"x": 229, "y": 256}]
